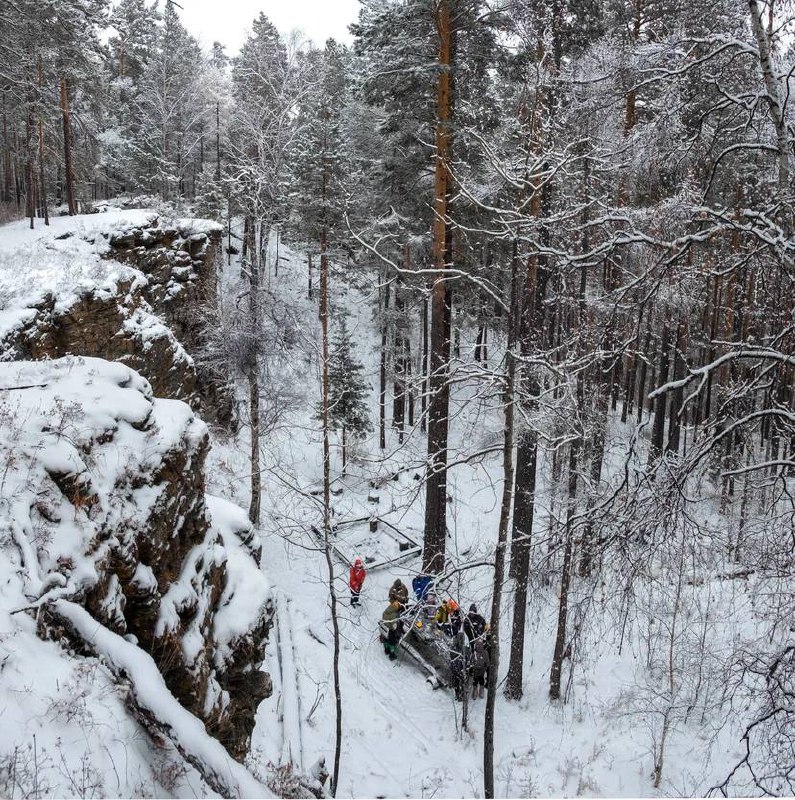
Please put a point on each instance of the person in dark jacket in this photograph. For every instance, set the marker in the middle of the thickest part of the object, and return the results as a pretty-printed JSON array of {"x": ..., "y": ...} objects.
[
  {"x": 474, "y": 624},
  {"x": 458, "y": 664},
  {"x": 399, "y": 592},
  {"x": 479, "y": 667},
  {"x": 356, "y": 579},
  {"x": 455, "y": 619},
  {"x": 394, "y": 627}
]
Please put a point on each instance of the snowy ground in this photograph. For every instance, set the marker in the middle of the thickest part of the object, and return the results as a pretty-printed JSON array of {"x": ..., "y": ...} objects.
[{"x": 401, "y": 738}]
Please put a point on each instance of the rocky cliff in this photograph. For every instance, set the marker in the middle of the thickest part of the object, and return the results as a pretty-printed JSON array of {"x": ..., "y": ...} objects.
[
  {"x": 124, "y": 286},
  {"x": 103, "y": 502}
]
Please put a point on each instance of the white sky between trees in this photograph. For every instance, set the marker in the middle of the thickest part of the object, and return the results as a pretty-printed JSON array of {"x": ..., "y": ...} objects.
[{"x": 228, "y": 20}]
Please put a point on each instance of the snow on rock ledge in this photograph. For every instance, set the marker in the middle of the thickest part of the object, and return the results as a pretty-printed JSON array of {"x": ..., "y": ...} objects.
[
  {"x": 123, "y": 286},
  {"x": 103, "y": 501}
]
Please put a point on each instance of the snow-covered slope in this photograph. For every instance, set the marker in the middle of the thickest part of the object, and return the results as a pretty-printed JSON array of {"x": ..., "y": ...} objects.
[
  {"x": 102, "y": 506},
  {"x": 402, "y": 738},
  {"x": 123, "y": 285}
]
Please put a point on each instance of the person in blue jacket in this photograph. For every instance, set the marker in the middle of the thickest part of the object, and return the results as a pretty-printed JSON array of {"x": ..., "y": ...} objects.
[{"x": 420, "y": 585}]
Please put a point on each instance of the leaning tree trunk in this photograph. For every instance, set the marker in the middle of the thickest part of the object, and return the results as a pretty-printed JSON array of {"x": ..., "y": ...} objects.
[
  {"x": 435, "y": 532},
  {"x": 253, "y": 377},
  {"x": 335, "y": 773}
]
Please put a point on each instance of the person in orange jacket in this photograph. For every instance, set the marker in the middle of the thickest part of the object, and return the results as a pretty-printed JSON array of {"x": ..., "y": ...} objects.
[{"x": 356, "y": 579}]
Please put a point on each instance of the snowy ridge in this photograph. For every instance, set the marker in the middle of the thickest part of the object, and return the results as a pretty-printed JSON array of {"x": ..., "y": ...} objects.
[
  {"x": 123, "y": 285},
  {"x": 63, "y": 259},
  {"x": 104, "y": 532}
]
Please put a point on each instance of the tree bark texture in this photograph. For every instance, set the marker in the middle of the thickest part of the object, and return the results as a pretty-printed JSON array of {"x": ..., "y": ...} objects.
[
  {"x": 69, "y": 174},
  {"x": 253, "y": 378}
]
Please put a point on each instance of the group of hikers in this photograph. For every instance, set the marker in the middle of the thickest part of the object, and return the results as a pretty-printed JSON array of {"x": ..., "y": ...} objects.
[{"x": 466, "y": 637}]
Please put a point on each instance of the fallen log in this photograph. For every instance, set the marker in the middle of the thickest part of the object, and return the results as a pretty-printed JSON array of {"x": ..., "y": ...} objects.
[{"x": 154, "y": 705}]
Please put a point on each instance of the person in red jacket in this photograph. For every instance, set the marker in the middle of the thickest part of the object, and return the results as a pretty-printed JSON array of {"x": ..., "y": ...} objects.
[{"x": 357, "y": 576}]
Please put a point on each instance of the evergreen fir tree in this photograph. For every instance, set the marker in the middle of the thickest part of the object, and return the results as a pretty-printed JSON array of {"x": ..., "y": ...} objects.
[
  {"x": 209, "y": 201},
  {"x": 348, "y": 391}
]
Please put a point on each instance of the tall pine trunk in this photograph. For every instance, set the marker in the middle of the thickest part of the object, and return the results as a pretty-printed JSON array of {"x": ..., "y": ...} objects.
[
  {"x": 42, "y": 179},
  {"x": 424, "y": 368},
  {"x": 218, "y": 142},
  {"x": 529, "y": 325},
  {"x": 674, "y": 415},
  {"x": 499, "y": 577},
  {"x": 525, "y": 480},
  {"x": 399, "y": 355},
  {"x": 8, "y": 170},
  {"x": 438, "y": 412},
  {"x": 561, "y": 648},
  {"x": 661, "y": 400},
  {"x": 30, "y": 205},
  {"x": 382, "y": 369},
  {"x": 69, "y": 174}
]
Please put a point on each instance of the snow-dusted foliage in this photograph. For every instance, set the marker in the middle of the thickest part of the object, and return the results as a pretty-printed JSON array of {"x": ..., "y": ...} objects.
[{"x": 557, "y": 240}]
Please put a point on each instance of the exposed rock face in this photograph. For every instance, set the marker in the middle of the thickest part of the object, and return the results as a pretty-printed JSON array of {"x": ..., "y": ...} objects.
[
  {"x": 104, "y": 495},
  {"x": 147, "y": 317}
]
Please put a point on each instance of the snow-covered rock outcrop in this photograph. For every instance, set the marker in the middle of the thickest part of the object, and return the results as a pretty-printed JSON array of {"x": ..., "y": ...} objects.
[
  {"x": 102, "y": 503},
  {"x": 125, "y": 286}
]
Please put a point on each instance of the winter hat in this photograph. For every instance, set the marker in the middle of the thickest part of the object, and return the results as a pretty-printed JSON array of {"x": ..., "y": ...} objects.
[
  {"x": 453, "y": 605},
  {"x": 473, "y": 608},
  {"x": 357, "y": 562}
]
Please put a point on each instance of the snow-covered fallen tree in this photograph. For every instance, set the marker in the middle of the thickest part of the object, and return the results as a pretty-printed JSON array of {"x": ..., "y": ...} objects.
[{"x": 157, "y": 707}]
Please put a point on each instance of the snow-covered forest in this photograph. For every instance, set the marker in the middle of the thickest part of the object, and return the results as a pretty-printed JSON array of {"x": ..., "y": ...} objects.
[{"x": 495, "y": 300}]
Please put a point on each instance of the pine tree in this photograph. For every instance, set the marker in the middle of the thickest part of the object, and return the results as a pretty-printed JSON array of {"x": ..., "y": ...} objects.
[
  {"x": 173, "y": 109},
  {"x": 209, "y": 200},
  {"x": 349, "y": 409}
]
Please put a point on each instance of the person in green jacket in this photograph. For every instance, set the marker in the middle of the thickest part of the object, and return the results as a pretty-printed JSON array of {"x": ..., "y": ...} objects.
[
  {"x": 394, "y": 626},
  {"x": 399, "y": 591}
]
